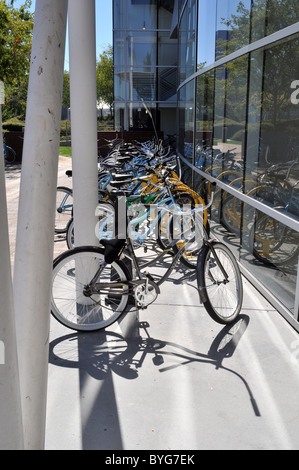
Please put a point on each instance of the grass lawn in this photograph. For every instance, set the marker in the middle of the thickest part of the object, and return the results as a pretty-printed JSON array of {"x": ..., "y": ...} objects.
[{"x": 65, "y": 151}]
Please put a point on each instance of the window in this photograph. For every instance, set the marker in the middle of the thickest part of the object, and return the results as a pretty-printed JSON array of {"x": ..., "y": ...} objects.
[{"x": 142, "y": 14}]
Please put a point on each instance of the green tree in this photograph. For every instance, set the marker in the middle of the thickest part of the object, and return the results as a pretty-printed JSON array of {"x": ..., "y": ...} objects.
[
  {"x": 16, "y": 27},
  {"x": 105, "y": 92},
  {"x": 66, "y": 90}
]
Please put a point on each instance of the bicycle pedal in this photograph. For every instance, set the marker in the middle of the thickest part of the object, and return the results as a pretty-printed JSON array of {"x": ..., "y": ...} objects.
[{"x": 149, "y": 276}]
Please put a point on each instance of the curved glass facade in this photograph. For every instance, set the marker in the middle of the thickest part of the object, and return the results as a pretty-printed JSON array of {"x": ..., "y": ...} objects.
[{"x": 238, "y": 124}]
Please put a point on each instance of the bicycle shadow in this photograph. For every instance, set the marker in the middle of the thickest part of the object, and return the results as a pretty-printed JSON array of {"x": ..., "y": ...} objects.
[{"x": 101, "y": 353}]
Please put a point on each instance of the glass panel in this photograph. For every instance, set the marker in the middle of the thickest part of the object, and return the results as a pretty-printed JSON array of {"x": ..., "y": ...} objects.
[
  {"x": 271, "y": 16},
  {"x": 167, "y": 83},
  {"x": 141, "y": 14},
  {"x": 141, "y": 49},
  {"x": 270, "y": 249},
  {"x": 165, "y": 14},
  {"x": 273, "y": 117},
  {"x": 119, "y": 116},
  {"x": 206, "y": 33},
  {"x": 187, "y": 43},
  {"x": 120, "y": 84},
  {"x": 204, "y": 127},
  {"x": 186, "y": 121},
  {"x": 119, "y": 16},
  {"x": 225, "y": 160},
  {"x": 182, "y": 47},
  {"x": 233, "y": 26},
  {"x": 167, "y": 50},
  {"x": 119, "y": 48},
  {"x": 191, "y": 37},
  {"x": 142, "y": 84},
  {"x": 139, "y": 119},
  {"x": 204, "y": 121}
]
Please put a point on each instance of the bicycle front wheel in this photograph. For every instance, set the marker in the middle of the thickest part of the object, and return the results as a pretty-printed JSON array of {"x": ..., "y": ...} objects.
[
  {"x": 72, "y": 306},
  {"x": 10, "y": 154},
  {"x": 64, "y": 208},
  {"x": 219, "y": 282}
]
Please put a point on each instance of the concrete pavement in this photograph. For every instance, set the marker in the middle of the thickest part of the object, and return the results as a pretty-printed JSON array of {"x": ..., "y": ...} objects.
[{"x": 169, "y": 378}]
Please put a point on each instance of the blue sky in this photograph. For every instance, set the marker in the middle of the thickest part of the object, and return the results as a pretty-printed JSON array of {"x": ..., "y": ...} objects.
[{"x": 103, "y": 25}]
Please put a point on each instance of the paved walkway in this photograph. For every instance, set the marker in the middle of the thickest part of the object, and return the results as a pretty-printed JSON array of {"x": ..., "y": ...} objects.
[{"x": 169, "y": 378}]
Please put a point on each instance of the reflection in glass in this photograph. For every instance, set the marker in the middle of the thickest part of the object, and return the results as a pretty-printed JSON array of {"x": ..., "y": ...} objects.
[
  {"x": 186, "y": 121},
  {"x": 167, "y": 84},
  {"x": 141, "y": 49},
  {"x": 167, "y": 50},
  {"x": 140, "y": 119},
  {"x": 119, "y": 14},
  {"x": 272, "y": 139},
  {"x": 119, "y": 48},
  {"x": 142, "y": 84},
  {"x": 233, "y": 26},
  {"x": 271, "y": 16},
  {"x": 187, "y": 41},
  {"x": 204, "y": 121},
  {"x": 142, "y": 15},
  {"x": 206, "y": 33},
  {"x": 120, "y": 84},
  {"x": 165, "y": 14}
]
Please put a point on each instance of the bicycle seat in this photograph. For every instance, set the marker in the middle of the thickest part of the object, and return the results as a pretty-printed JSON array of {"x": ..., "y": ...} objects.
[
  {"x": 114, "y": 194},
  {"x": 113, "y": 249},
  {"x": 109, "y": 165},
  {"x": 119, "y": 184},
  {"x": 124, "y": 159},
  {"x": 121, "y": 177}
]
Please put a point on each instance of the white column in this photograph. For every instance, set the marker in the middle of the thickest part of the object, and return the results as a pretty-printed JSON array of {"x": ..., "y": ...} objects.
[
  {"x": 36, "y": 216},
  {"x": 82, "y": 55},
  {"x": 11, "y": 430}
]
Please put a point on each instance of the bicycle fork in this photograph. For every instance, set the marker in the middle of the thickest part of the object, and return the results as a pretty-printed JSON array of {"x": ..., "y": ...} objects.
[{"x": 210, "y": 244}]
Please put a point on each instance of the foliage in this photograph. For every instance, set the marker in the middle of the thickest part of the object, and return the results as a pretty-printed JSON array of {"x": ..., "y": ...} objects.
[
  {"x": 66, "y": 90},
  {"x": 105, "y": 92},
  {"x": 65, "y": 128},
  {"x": 16, "y": 27},
  {"x": 14, "y": 124}
]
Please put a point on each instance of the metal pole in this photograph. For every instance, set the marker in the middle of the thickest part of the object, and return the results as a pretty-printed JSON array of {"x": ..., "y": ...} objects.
[
  {"x": 36, "y": 216},
  {"x": 83, "y": 93},
  {"x": 11, "y": 429}
]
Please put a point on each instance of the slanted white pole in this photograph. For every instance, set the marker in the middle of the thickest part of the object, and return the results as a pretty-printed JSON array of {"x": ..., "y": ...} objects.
[
  {"x": 11, "y": 429},
  {"x": 36, "y": 216},
  {"x": 82, "y": 56}
]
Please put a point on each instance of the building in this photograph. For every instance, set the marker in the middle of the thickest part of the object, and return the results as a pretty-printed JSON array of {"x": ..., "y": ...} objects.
[
  {"x": 237, "y": 119},
  {"x": 145, "y": 65}
]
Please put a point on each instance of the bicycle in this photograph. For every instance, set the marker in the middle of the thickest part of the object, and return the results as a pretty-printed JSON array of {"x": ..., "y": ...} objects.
[
  {"x": 91, "y": 286},
  {"x": 161, "y": 187},
  {"x": 9, "y": 153}
]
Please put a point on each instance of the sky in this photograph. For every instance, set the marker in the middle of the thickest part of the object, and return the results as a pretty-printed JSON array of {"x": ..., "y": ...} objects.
[{"x": 104, "y": 26}]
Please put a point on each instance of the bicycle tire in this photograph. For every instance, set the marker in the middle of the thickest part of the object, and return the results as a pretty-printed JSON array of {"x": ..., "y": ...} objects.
[
  {"x": 69, "y": 304},
  {"x": 70, "y": 234},
  {"x": 64, "y": 208},
  {"x": 10, "y": 154},
  {"x": 222, "y": 299}
]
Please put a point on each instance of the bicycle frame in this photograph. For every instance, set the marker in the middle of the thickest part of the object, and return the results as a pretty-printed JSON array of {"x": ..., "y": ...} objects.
[{"x": 95, "y": 287}]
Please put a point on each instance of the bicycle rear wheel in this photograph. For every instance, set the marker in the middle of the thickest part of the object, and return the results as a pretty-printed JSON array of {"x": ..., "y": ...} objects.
[
  {"x": 71, "y": 305},
  {"x": 221, "y": 295}
]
